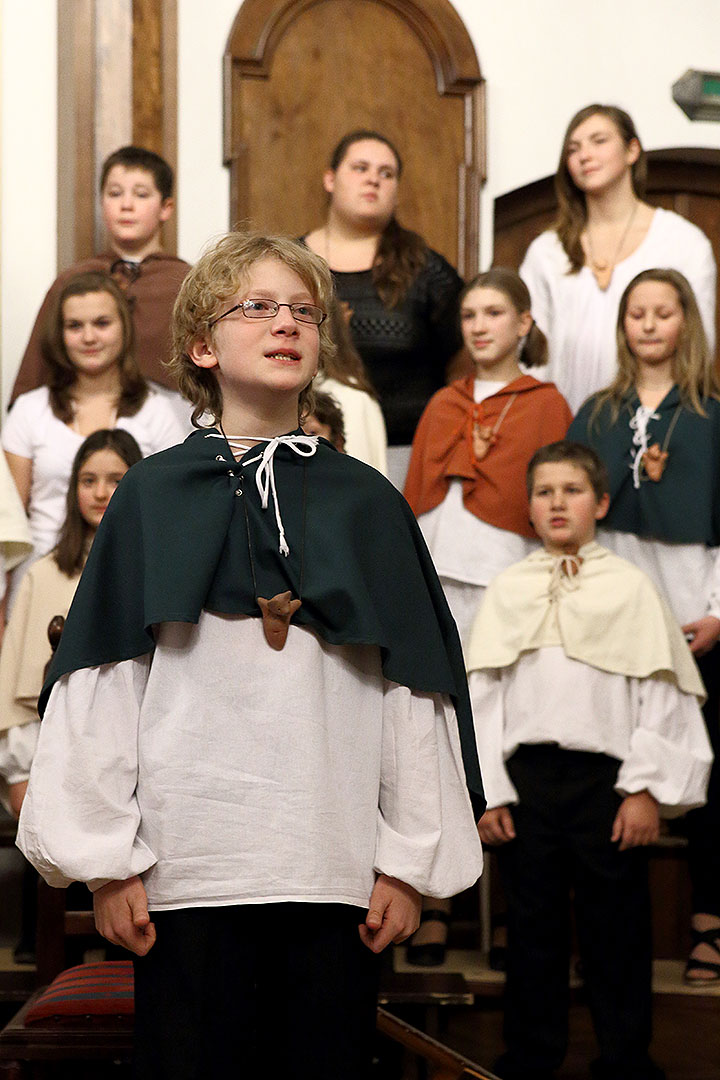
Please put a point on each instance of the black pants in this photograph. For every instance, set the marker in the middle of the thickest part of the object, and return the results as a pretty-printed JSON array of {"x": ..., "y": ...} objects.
[
  {"x": 225, "y": 989},
  {"x": 703, "y": 825},
  {"x": 563, "y": 823}
]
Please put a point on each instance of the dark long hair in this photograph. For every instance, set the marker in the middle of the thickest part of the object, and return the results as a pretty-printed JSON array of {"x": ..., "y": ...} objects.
[
  {"x": 73, "y": 544},
  {"x": 62, "y": 378},
  {"x": 401, "y": 253},
  {"x": 572, "y": 208},
  {"x": 345, "y": 365}
]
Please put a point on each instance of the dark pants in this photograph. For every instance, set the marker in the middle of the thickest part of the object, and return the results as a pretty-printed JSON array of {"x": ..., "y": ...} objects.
[
  {"x": 256, "y": 990},
  {"x": 563, "y": 823},
  {"x": 703, "y": 825}
]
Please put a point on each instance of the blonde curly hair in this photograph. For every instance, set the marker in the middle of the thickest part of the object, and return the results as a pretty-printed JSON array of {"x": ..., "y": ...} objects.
[{"x": 215, "y": 279}]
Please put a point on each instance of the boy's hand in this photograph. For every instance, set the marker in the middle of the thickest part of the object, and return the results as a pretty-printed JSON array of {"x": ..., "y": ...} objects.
[
  {"x": 496, "y": 826},
  {"x": 637, "y": 822},
  {"x": 393, "y": 914},
  {"x": 705, "y": 632},
  {"x": 16, "y": 794},
  {"x": 121, "y": 915}
]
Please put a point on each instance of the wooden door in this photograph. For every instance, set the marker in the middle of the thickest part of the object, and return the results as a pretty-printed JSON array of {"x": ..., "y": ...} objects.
[
  {"x": 685, "y": 180},
  {"x": 299, "y": 75}
]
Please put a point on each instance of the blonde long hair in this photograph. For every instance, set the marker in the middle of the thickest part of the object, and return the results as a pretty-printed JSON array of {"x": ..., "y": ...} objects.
[
  {"x": 572, "y": 207},
  {"x": 693, "y": 367}
]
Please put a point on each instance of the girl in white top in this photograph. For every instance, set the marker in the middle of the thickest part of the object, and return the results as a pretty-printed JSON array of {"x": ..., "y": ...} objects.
[
  {"x": 93, "y": 383},
  {"x": 344, "y": 377},
  {"x": 605, "y": 234}
]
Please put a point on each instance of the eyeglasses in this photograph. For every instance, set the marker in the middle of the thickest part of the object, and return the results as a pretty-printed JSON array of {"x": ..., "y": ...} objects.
[{"x": 268, "y": 309}]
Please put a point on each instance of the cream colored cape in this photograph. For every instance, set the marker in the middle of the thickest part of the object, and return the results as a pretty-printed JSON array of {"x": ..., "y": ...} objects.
[
  {"x": 43, "y": 592},
  {"x": 608, "y": 615},
  {"x": 15, "y": 542}
]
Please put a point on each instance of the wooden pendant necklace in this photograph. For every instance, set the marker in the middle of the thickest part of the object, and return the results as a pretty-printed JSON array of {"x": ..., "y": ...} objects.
[
  {"x": 484, "y": 437},
  {"x": 650, "y": 462},
  {"x": 278, "y": 610},
  {"x": 602, "y": 268}
]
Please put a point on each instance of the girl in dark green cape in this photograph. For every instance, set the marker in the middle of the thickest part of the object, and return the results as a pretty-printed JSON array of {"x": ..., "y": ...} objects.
[{"x": 657, "y": 427}]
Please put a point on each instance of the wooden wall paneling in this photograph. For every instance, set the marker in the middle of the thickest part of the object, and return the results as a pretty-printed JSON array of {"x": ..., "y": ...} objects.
[
  {"x": 76, "y": 130},
  {"x": 117, "y": 83},
  {"x": 299, "y": 75},
  {"x": 154, "y": 86},
  {"x": 113, "y": 90}
]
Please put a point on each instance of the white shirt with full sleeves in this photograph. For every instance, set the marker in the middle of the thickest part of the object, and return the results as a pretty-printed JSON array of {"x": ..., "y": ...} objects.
[
  {"x": 227, "y": 773},
  {"x": 655, "y": 730},
  {"x": 31, "y": 430},
  {"x": 365, "y": 434},
  {"x": 579, "y": 318}
]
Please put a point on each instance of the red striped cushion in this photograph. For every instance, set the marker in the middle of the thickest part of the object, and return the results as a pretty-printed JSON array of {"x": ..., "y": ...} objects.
[{"x": 103, "y": 989}]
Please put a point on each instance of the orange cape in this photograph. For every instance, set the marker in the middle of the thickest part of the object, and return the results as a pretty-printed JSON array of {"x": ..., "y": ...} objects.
[{"x": 493, "y": 488}]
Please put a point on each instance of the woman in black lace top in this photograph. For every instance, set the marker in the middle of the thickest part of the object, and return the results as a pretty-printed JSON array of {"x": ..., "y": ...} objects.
[{"x": 400, "y": 295}]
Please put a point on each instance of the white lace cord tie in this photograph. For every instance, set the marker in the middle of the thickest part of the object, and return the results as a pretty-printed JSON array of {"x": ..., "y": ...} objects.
[
  {"x": 564, "y": 575},
  {"x": 304, "y": 446},
  {"x": 639, "y": 425}
]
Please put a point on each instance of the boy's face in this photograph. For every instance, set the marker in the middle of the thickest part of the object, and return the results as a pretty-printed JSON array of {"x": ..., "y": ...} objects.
[
  {"x": 252, "y": 357},
  {"x": 133, "y": 208},
  {"x": 564, "y": 507}
]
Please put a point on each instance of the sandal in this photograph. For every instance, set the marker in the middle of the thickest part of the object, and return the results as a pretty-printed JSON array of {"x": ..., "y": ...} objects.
[
  {"x": 709, "y": 937},
  {"x": 431, "y": 953}
]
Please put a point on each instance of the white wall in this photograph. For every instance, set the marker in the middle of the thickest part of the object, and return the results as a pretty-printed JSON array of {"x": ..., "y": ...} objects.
[
  {"x": 541, "y": 60},
  {"x": 28, "y": 183}
]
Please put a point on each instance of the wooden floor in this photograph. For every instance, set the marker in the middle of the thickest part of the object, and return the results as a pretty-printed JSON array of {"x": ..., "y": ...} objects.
[{"x": 686, "y": 1024}]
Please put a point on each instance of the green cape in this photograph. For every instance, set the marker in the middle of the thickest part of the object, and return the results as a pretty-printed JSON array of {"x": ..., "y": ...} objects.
[
  {"x": 174, "y": 541},
  {"x": 684, "y": 506}
]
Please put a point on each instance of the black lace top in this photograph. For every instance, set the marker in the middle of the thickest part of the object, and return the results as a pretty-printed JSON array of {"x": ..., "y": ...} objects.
[{"x": 406, "y": 348}]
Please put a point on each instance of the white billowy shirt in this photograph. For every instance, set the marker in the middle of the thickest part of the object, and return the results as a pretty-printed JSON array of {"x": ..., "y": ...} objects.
[
  {"x": 227, "y": 773},
  {"x": 654, "y": 730}
]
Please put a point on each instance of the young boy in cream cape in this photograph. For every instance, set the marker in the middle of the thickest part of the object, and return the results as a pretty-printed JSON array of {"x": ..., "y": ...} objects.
[{"x": 587, "y": 710}]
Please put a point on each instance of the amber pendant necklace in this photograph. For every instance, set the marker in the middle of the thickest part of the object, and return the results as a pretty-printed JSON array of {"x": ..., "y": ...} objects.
[{"x": 484, "y": 437}]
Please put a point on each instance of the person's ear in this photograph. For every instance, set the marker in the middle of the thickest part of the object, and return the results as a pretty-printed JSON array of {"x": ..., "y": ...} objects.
[
  {"x": 633, "y": 151},
  {"x": 166, "y": 209},
  {"x": 526, "y": 321},
  {"x": 602, "y": 507},
  {"x": 202, "y": 353},
  {"x": 329, "y": 181}
]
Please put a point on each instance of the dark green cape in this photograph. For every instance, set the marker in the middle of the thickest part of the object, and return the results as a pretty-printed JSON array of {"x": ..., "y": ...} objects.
[
  {"x": 684, "y": 506},
  {"x": 174, "y": 541}
]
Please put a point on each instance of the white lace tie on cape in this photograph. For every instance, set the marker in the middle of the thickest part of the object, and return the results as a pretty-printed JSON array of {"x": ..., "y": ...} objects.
[
  {"x": 302, "y": 445},
  {"x": 639, "y": 424}
]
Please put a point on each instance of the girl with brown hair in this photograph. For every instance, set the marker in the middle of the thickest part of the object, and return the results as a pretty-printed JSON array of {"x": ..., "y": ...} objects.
[
  {"x": 604, "y": 235},
  {"x": 93, "y": 383},
  {"x": 47, "y": 590},
  {"x": 401, "y": 296}
]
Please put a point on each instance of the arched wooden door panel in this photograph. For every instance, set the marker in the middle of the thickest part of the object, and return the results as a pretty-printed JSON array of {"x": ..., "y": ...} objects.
[
  {"x": 681, "y": 179},
  {"x": 299, "y": 75}
]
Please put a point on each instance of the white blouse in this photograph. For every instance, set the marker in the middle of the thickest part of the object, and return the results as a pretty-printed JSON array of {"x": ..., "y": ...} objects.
[
  {"x": 654, "y": 730},
  {"x": 31, "y": 430},
  {"x": 225, "y": 772},
  {"x": 365, "y": 434}
]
